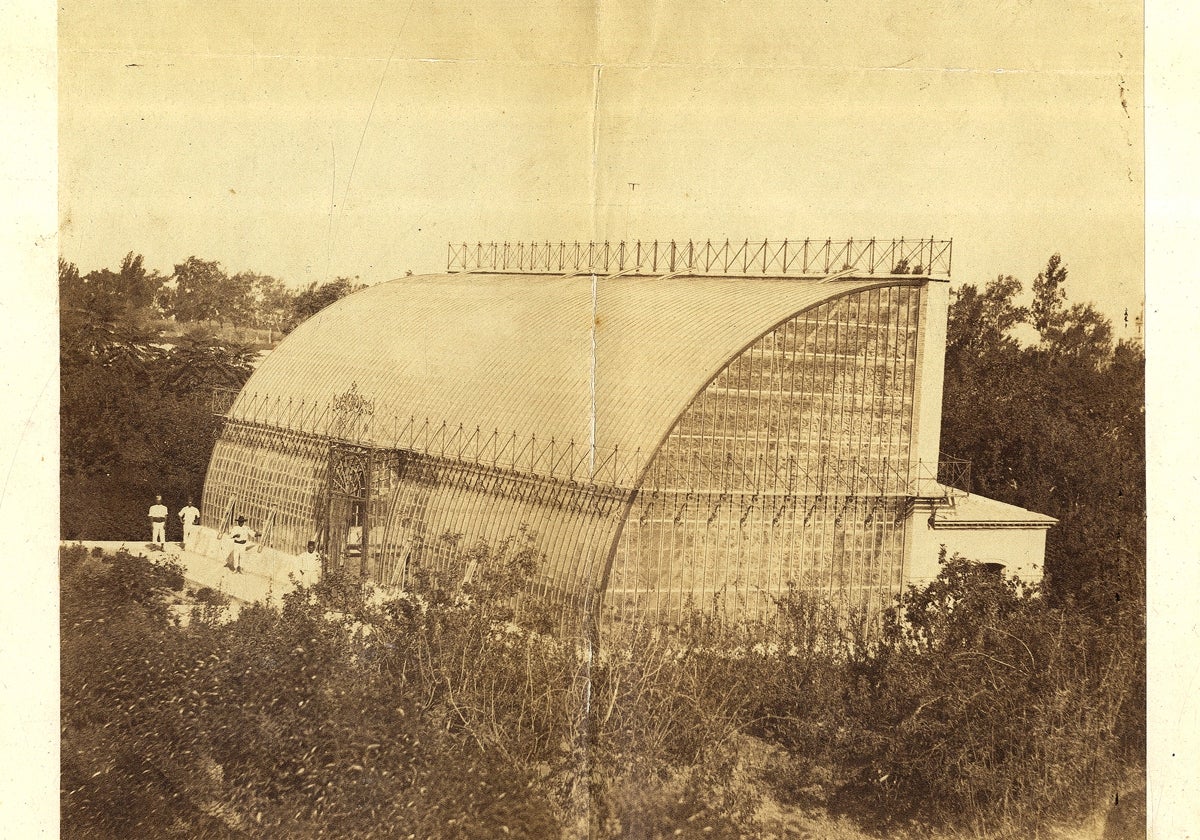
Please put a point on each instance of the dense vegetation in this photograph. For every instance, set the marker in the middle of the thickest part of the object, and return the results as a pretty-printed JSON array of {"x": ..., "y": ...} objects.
[
  {"x": 139, "y": 357},
  {"x": 1058, "y": 426},
  {"x": 980, "y": 706}
]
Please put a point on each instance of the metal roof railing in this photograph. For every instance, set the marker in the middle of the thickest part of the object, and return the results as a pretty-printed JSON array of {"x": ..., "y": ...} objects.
[
  {"x": 945, "y": 478},
  {"x": 785, "y": 258},
  {"x": 569, "y": 460}
]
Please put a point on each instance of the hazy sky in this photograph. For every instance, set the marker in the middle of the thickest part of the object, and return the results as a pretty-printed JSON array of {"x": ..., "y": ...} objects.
[{"x": 309, "y": 139}]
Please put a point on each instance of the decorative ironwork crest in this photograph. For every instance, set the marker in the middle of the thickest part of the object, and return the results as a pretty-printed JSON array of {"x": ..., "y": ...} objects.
[{"x": 352, "y": 413}]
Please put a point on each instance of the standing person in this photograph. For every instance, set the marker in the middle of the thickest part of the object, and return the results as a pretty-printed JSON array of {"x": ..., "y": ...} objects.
[
  {"x": 309, "y": 563},
  {"x": 158, "y": 523},
  {"x": 241, "y": 536},
  {"x": 190, "y": 517}
]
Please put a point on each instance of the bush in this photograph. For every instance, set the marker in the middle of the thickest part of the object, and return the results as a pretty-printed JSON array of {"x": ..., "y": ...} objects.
[
  {"x": 661, "y": 738},
  {"x": 281, "y": 723},
  {"x": 336, "y": 712},
  {"x": 999, "y": 708},
  {"x": 978, "y": 705},
  {"x": 982, "y": 707}
]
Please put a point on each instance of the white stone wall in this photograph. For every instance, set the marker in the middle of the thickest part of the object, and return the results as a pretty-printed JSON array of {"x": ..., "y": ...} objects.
[
  {"x": 1021, "y": 550},
  {"x": 268, "y": 562}
]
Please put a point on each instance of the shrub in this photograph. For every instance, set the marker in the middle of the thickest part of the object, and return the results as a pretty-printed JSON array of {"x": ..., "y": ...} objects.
[
  {"x": 979, "y": 706},
  {"x": 983, "y": 707},
  {"x": 280, "y": 723}
]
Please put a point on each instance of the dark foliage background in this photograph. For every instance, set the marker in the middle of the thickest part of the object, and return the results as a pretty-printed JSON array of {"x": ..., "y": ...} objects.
[
  {"x": 139, "y": 357},
  {"x": 1058, "y": 426}
]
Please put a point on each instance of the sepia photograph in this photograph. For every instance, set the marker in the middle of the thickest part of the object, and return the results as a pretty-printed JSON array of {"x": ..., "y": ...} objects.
[{"x": 600, "y": 420}]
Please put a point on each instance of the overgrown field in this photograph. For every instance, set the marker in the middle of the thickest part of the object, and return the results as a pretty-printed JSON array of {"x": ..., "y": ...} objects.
[{"x": 981, "y": 709}]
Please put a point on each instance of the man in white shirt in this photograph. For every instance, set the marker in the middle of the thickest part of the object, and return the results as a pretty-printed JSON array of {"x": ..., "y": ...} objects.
[
  {"x": 241, "y": 535},
  {"x": 158, "y": 523},
  {"x": 190, "y": 517},
  {"x": 309, "y": 563}
]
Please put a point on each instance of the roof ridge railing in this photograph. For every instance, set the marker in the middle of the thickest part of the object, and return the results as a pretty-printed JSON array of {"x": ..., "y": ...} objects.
[{"x": 728, "y": 258}]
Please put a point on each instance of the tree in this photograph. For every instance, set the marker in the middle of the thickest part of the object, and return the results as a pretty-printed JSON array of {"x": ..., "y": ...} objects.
[
  {"x": 134, "y": 410},
  {"x": 137, "y": 286},
  {"x": 316, "y": 297},
  {"x": 200, "y": 362},
  {"x": 69, "y": 281},
  {"x": 203, "y": 292},
  {"x": 237, "y": 295},
  {"x": 983, "y": 322},
  {"x": 105, "y": 357},
  {"x": 1080, "y": 335},
  {"x": 127, "y": 293},
  {"x": 1056, "y": 427},
  {"x": 1048, "y": 296},
  {"x": 270, "y": 301}
]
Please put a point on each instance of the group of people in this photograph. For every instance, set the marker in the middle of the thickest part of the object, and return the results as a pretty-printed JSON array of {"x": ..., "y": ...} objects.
[
  {"x": 189, "y": 516},
  {"x": 241, "y": 535}
]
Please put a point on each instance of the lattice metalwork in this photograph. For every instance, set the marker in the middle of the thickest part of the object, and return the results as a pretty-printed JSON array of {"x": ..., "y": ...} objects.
[
  {"x": 441, "y": 508},
  {"x": 272, "y": 477},
  {"x": 347, "y": 516},
  {"x": 566, "y": 460},
  {"x": 786, "y": 258},
  {"x": 792, "y": 467}
]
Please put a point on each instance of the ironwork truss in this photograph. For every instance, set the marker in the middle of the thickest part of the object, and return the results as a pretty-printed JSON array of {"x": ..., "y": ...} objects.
[
  {"x": 546, "y": 457},
  {"x": 786, "y": 258}
]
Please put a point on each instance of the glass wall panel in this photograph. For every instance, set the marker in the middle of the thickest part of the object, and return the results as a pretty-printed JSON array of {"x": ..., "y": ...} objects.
[
  {"x": 441, "y": 509},
  {"x": 275, "y": 478},
  {"x": 790, "y": 468}
]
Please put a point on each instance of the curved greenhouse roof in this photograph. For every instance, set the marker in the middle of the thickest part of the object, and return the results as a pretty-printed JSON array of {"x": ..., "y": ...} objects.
[{"x": 498, "y": 367}]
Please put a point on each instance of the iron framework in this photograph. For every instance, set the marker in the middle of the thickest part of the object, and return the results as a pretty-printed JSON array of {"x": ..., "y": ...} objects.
[
  {"x": 549, "y": 458},
  {"x": 794, "y": 466},
  {"x": 785, "y": 258}
]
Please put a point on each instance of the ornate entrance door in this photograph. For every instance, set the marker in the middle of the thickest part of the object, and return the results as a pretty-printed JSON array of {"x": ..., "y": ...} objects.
[{"x": 348, "y": 519}]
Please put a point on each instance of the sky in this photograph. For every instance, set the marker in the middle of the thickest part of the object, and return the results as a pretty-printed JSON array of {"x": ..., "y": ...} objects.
[{"x": 310, "y": 140}]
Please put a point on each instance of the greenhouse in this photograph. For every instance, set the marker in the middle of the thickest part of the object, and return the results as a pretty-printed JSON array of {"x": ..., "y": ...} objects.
[{"x": 675, "y": 426}]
